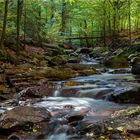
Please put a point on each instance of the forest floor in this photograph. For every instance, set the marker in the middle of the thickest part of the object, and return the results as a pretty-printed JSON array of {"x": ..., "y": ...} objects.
[{"x": 33, "y": 75}]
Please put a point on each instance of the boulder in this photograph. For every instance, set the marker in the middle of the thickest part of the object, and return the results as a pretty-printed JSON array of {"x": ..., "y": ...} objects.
[
  {"x": 74, "y": 60},
  {"x": 129, "y": 95},
  {"x": 53, "y": 49},
  {"x": 98, "y": 51},
  {"x": 97, "y": 93},
  {"x": 136, "y": 69},
  {"x": 20, "y": 116},
  {"x": 58, "y": 60},
  {"x": 116, "y": 62}
]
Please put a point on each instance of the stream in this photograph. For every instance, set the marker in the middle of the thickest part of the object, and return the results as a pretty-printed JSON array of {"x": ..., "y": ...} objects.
[
  {"x": 82, "y": 96},
  {"x": 81, "y": 100}
]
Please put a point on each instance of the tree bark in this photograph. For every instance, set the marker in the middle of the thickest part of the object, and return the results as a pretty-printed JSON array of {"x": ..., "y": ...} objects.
[
  {"x": 19, "y": 14},
  {"x": 129, "y": 19},
  {"x": 63, "y": 17},
  {"x": 4, "y": 23}
]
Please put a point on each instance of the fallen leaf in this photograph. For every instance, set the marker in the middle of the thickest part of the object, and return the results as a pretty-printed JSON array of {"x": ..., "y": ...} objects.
[
  {"x": 110, "y": 128},
  {"x": 120, "y": 128}
]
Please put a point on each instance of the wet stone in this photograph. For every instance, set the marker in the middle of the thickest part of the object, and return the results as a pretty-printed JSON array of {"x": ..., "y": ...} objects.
[
  {"x": 20, "y": 116},
  {"x": 135, "y": 131},
  {"x": 136, "y": 69},
  {"x": 14, "y": 137},
  {"x": 75, "y": 118}
]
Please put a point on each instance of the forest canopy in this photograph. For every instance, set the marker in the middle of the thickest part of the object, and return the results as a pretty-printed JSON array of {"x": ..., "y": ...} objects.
[{"x": 47, "y": 19}]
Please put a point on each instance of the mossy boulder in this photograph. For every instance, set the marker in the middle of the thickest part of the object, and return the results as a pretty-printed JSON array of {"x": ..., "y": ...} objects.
[
  {"x": 52, "y": 73},
  {"x": 59, "y": 74},
  {"x": 83, "y": 69},
  {"x": 98, "y": 51},
  {"x": 74, "y": 60},
  {"x": 121, "y": 52},
  {"x": 53, "y": 49},
  {"x": 83, "y": 50},
  {"x": 116, "y": 61},
  {"x": 58, "y": 60}
]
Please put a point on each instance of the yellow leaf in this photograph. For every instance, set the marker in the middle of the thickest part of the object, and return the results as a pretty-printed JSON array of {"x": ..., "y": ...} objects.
[
  {"x": 120, "y": 128},
  {"x": 89, "y": 135},
  {"x": 102, "y": 137},
  {"x": 34, "y": 130},
  {"x": 110, "y": 128}
]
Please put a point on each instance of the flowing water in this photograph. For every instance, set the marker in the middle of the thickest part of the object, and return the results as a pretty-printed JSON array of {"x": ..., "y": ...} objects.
[
  {"x": 57, "y": 91},
  {"x": 77, "y": 95}
]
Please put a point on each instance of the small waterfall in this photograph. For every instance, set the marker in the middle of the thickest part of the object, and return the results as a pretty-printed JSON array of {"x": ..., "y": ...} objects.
[{"x": 57, "y": 91}]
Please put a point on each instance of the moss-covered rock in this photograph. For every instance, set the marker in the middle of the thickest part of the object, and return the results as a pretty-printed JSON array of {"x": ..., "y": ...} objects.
[
  {"x": 98, "y": 51},
  {"x": 53, "y": 49},
  {"x": 59, "y": 74},
  {"x": 74, "y": 60},
  {"x": 116, "y": 62},
  {"x": 58, "y": 60}
]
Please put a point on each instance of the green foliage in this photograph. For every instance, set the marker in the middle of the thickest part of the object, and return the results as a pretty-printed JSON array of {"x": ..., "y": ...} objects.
[{"x": 43, "y": 20}]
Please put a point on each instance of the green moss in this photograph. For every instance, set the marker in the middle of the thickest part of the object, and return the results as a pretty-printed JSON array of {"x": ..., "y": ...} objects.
[{"x": 116, "y": 62}]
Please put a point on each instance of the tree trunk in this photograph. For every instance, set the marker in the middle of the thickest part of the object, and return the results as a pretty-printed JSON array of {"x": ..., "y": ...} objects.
[
  {"x": 19, "y": 14},
  {"x": 25, "y": 20},
  {"x": 63, "y": 18},
  {"x": 129, "y": 20},
  {"x": 52, "y": 13},
  {"x": 4, "y": 23},
  {"x": 104, "y": 23}
]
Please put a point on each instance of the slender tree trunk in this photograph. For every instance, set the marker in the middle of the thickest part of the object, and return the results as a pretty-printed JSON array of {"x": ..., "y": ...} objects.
[
  {"x": 109, "y": 22},
  {"x": 19, "y": 14},
  {"x": 70, "y": 31},
  {"x": 39, "y": 24},
  {"x": 4, "y": 23},
  {"x": 63, "y": 17},
  {"x": 129, "y": 19},
  {"x": 52, "y": 13},
  {"x": 104, "y": 23},
  {"x": 25, "y": 20}
]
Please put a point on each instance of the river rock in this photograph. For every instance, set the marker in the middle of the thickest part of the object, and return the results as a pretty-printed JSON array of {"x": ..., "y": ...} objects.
[
  {"x": 135, "y": 61},
  {"x": 14, "y": 137},
  {"x": 129, "y": 95},
  {"x": 116, "y": 62},
  {"x": 53, "y": 49},
  {"x": 20, "y": 116},
  {"x": 83, "y": 69},
  {"x": 58, "y": 60},
  {"x": 75, "y": 118},
  {"x": 135, "y": 131},
  {"x": 98, "y": 51},
  {"x": 97, "y": 93},
  {"x": 136, "y": 69},
  {"x": 37, "y": 91},
  {"x": 74, "y": 60},
  {"x": 83, "y": 50}
]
